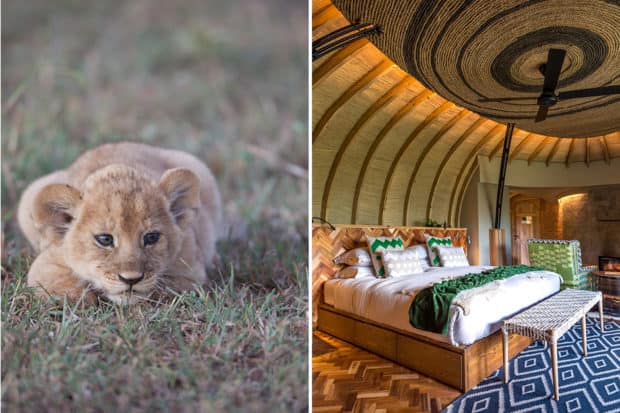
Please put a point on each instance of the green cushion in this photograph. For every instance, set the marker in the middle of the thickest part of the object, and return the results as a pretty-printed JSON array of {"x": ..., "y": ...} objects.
[
  {"x": 378, "y": 244},
  {"x": 432, "y": 243}
]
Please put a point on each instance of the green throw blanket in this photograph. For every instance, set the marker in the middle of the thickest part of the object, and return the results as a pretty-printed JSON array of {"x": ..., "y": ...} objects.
[{"x": 431, "y": 306}]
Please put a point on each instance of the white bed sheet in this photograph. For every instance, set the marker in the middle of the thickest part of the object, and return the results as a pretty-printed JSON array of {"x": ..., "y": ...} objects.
[{"x": 387, "y": 300}]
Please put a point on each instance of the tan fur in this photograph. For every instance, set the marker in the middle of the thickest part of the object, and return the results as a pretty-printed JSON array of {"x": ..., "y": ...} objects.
[{"x": 125, "y": 190}]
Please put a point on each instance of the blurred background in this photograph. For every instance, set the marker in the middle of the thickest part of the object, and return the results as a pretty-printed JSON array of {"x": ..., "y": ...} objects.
[{"x": 224, "y": 80}]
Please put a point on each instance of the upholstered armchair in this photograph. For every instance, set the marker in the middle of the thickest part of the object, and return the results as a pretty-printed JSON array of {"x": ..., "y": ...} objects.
[{"x": 563, "y": 257}]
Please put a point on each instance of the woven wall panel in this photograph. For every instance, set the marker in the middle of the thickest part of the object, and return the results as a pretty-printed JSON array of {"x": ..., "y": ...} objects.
[
  {"x": 339, "y": 196},
  {"x": 406, "y": 165},
  {"x": 328, "y": 244},
  {"x": 423, "y": 176}
]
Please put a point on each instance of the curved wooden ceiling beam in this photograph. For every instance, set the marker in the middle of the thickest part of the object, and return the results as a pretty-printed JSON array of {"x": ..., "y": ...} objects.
[
  {"x": 613, "y": 152},
  {"x": 605, "y": 149},
  {"x": 378, "y": 139},
  {"x": 362, "y": 83},
  {"x": 514, "y": 152},
  {"x": 570, "y": 151},
  {"x": 321, "y": 9},
  {"x": 337, "y": 59},
  {"x": 444, "y": 129},
  {"x": 496, "y": 131},
  {"x": 556, "y": 145},
  {"x": 472, "y": 128},
  {"x": 441, "y": 109},
  {"x": 323, "y": 15},
  {"x": 381, "y": 102},
  {"x": 587, "y": 160},
  {"x": 539, "y": 148}
]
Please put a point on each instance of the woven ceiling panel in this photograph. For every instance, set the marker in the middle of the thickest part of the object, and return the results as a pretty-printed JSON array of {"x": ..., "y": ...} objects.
[{"x": 466, "y": 51}]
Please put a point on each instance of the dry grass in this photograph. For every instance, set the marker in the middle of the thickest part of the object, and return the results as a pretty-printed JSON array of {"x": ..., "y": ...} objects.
[{"x": 223, "y": 80}]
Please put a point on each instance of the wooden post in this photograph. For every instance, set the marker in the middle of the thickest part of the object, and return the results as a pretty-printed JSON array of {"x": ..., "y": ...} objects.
[{"x": 497, "y": 246}]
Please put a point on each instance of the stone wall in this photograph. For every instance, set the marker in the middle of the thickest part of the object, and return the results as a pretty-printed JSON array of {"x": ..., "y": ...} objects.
[{"x": 593, "y": 218}]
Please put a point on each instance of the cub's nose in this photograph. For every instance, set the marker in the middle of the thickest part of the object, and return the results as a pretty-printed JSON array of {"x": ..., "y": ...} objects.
[{"x": 132, "y": 278}]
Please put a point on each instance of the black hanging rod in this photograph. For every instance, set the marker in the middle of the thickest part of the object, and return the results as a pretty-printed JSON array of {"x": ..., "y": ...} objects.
[{"x": 342, "y": 37}]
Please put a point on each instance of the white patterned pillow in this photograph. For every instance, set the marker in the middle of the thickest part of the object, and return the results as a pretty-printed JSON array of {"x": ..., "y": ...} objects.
[
  {"x": 422, "y": 254},
  {"x": 356, "y": 256},
  {"x": 399, "y": 263},
  {"x": 452, "y": 257},
  {"x": 378, "y": 244},
  {"x": 432, "y": 243},
  {"x": 355, "y": 271}
]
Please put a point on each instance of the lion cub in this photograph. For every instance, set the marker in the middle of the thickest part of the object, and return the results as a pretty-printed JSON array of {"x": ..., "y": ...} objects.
[{"x": 123, "y": 219}]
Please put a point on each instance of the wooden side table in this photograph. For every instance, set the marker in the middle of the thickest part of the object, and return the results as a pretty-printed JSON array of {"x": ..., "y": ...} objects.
[{"x": 549, "y": 320}]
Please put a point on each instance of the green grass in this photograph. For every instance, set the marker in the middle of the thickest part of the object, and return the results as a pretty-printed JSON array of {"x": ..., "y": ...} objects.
[
  {"x": 225, "y": 81},
  {"x": 234, "y": 346}
]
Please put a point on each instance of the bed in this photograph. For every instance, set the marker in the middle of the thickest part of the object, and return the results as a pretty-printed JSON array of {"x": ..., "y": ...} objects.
[
  {"x": 373, "y": 313},
  {"x": 387, "y": 300}
]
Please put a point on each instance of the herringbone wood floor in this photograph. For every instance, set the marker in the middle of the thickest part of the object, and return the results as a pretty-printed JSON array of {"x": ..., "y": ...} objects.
[{"x": 348, "y": 379}]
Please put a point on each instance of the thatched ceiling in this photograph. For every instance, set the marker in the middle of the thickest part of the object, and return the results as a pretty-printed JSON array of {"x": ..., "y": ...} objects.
[
  {"x": 475, "y": 50},
  {"x": 386, "y": 149}
]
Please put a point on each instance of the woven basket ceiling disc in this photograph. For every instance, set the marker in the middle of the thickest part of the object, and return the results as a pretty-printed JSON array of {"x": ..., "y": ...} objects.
[{"x": 471, "y": 50}]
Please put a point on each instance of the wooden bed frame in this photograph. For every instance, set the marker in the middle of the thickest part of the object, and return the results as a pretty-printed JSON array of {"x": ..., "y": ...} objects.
[{"x": 459, "y": 367}]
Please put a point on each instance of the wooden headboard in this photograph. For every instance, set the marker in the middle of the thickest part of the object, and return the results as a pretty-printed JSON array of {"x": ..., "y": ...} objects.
[{"x": 328, "y": 244}]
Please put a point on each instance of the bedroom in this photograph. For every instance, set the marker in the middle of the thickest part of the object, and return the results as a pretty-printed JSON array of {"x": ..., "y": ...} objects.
[{"x": 407, "y": 138}]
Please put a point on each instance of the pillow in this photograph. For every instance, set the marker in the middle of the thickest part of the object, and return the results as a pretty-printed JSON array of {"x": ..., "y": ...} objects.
[
  {"x": 422, "y": 254},
  {"x": 452, "y": 257},
  {"x": 378, "y": 244},
  {"x": 399, "y": 263},
  {"x": 357, "y": 256},
  {"x": 432, "y": 243},
  {"x": 355, "y": 271}
]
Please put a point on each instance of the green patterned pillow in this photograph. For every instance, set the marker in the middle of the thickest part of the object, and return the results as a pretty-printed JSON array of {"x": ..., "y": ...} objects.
[
  {"x": 432, "y": 243},
  {"x": 378, "y": 244}
]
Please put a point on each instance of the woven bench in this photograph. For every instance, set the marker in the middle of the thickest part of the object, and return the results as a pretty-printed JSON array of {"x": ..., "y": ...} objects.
[{"x": 549, "y": 320}]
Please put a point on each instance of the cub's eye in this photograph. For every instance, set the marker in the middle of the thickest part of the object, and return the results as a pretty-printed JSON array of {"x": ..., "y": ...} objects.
[
  {"x": 105, "y": 240},
  {"x": 151, "y": 238}
]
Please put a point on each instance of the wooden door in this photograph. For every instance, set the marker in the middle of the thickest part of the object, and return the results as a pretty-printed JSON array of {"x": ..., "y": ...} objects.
[{"x": 525, "y": 224}]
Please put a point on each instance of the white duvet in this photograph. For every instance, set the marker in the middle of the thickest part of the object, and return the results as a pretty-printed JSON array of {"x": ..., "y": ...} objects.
[{"x": 474, "y": 313}]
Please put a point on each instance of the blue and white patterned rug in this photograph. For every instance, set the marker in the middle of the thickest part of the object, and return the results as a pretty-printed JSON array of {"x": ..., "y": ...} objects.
[{"x": 587, "y": 384}]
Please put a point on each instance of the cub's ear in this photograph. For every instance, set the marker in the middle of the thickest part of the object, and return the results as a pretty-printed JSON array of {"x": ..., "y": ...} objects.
[
  {"x": 54, "y": 210},
  {"x": 182, "y": 188}
]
